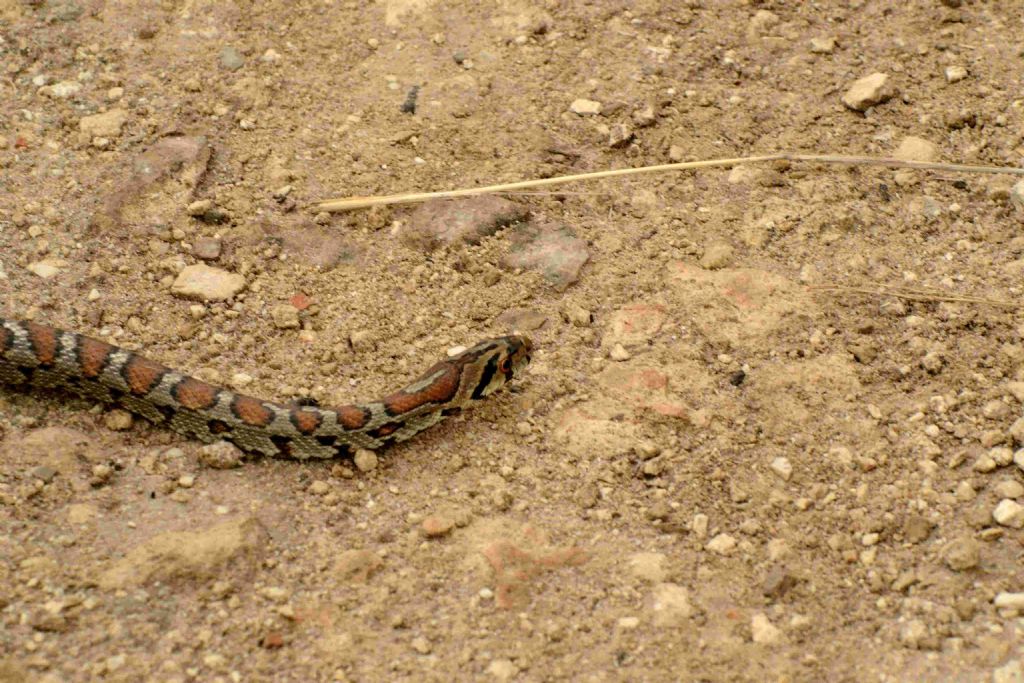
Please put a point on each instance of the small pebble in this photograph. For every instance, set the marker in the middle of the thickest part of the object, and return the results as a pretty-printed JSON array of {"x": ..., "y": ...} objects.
[
  {"x": 1009, "y": 489},
  {"x": 319, "y": 488},
  {"x": 365, "y": 460},
  {"x": 585, "y": 107},
  {"x": 722, "y": 544},
  {"x": 868, "y": 92},
  {"x": 782, "y": 467},
  {"x": 1009, "y": 513},
  {"x": 823, "y": 46},
  {"x": 437, "y": 525},
  {"x": 1009, "y": 600},
  {"x": 762, "y": 630},
  {"x": 962, "y": 554},
  {"x": 955, "y": 73},
  {"x": 231, "y": 59},
  {"x": 619, "y": 353}
]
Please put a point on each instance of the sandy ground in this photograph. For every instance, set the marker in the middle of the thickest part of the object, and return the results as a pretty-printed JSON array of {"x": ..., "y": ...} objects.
[{"x": 714, "y": 470}]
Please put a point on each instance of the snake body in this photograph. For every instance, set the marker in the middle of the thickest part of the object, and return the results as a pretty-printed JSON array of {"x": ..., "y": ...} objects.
[{"x": 37, "y": 355}]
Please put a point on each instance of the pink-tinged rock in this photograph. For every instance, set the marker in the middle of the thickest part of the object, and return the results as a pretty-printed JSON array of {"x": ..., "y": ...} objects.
[
  {"x": 638, "y": 381},
  {"x": 312, "y": 244},
  {"x": 635, "y": 324},
  {"x": 175, "y": 164},
  {"x": 551, "y": 250},
  {"x": 445, "y": 222}
]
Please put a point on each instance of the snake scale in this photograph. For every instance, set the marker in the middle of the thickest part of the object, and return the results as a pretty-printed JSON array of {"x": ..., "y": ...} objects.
[{"x": 37, "y": 355}]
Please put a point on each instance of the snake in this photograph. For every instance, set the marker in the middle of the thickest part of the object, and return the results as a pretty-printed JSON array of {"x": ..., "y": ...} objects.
[{"x": 36, "y": 355}]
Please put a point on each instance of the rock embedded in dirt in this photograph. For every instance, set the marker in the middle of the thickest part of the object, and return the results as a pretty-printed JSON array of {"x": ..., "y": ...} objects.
[
  {"x": 206, "y": 283},
  {"x": 444, "y": 222},
  {"x": 188, "y": 555},
  {"x": 231, "y": 59},
  {"x": 913, "y": 148},
  {"x": 1009, "y": 513},
  {"x": 105, "y": 125},
  {"x": 869, "y": 91},
  {"x": 962, "y": 554},
  {"x": 585, "y": 107},
  {"x": 551, "y": 250}
]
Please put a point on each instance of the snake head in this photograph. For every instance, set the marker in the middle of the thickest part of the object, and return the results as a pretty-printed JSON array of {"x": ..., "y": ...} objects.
[{"x": 491, "y": 364}]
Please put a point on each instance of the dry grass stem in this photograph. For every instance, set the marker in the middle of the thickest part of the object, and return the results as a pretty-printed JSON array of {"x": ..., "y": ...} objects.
[
  {"x": 912, "y": 294},
  {"x": 350, "y": 203}
]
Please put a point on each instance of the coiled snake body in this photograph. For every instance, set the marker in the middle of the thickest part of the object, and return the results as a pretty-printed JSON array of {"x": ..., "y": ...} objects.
[{"x": 38, "y": 355}]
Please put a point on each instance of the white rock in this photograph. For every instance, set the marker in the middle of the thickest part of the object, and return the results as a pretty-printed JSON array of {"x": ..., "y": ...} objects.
[
  {"x": 670, "y": 604},
  {"x": 1009, "y": 600},
  {"x": 648, "y": 566},
  {"x": 913, "y": 148},
  {"x": 206, "y": 283},
  {"x": 763, "y": 631},
  {"x": 63, "y": 89},
  {"x": 722, "y": 544},
  {"x": 46, "y": 268},
  {"x": 1009, "y": 513},
  {"x": 782, "y": 467},
  {"x": 699, "y": 526},
  {"x": 823, "y": 46},
  {"x": 502, "y": 669},
  {"x": 955, "y": 73},
  {"x": 585, "y": 107},
  {"x": 1011, "y": 672},
  {"x": 868, "y": 91},
  {"x": 1018, "y": 458},
  {"x": 912, "y": 633},
  {"x": 1017, "y": 195}
]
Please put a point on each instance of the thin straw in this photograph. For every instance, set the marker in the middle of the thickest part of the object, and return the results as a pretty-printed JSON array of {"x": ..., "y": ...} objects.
[{"x": 349, "y": 203}]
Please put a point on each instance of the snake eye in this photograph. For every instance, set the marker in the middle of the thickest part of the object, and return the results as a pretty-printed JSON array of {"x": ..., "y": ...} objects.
[{"x": 504, "y": 367}]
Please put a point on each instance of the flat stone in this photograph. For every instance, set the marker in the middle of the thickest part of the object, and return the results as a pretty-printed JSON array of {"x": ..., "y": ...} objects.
[
  {"x": 551, "y": 250},
  {"x": 635, "y": 324},
  {"x": 188, "y": 555},
  {"x": 46, "y": 268},
  {"x": 913, "y": 148},
  {"x": 463, "y": 221},
  {"x": 312, "y": 244},
  {"x": 869, "y": 91},
  {"x": 231, "y": 59},
  {"x": 105, "y": 125},
  {"x": 161, "y": 180},
  {"x": 585, "y": 107},
  {"x": 206, "y": 283},
  {"x": 207, "y": 248},
  {"x": 823, "y": 46}
]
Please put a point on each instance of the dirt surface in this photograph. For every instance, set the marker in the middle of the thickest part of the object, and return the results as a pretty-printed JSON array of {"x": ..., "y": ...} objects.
[{"x": 712, "y": 471}]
